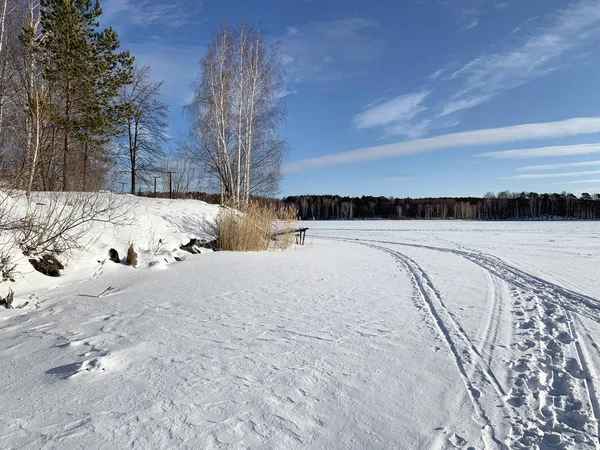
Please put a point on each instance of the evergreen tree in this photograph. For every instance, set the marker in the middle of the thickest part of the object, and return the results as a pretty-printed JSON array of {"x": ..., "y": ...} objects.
[{"x": 83, "y": 65}]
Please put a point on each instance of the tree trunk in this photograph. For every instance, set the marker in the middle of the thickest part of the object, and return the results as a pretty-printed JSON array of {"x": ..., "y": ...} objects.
[
  {"x": 250, "y": 122},
  {"x": 36, "y": 145},
  {"x": 85, "y": 164},
  {"x": 2, "y": 31},
  {"x": 133, "y": 174},
  {"x": 33, "y": 143},
  {"x": 241, "y": 100},
  {"x": 67, "y": 143}
]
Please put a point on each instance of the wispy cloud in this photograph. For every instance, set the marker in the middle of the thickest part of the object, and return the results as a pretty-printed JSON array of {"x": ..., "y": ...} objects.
[
  {"x": 398, "y": 110},
  {"x": 286, "y": 93},
  {"x": 146, "y": 13},
  {"x": 579, "y": 182},
  {"x": 435, "y": 75},
  {"x": 324, "y": 51},
  {"x": 542, "y": 50},
  {"x": 571, "y": 127},
  {"x": 538, "y": 47},
  {"x": 472, "y": 23},
  {"x": 542, "y": 152},
  {"x": 536, "y": 176},
  {"x": 559, "y": 166},
  {"x": 464, "y": 103}
]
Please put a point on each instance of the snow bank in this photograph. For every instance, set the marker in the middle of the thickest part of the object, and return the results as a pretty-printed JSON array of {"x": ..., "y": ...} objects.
[{"x": 156, "y": 227}]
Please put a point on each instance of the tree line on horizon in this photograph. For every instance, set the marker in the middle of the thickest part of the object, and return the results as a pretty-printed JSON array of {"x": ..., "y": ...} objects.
[{"x": 502, "y": 206}]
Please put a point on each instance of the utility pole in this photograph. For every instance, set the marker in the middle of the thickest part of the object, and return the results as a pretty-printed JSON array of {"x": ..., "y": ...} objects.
[
  {"x": 170, "y": 183},
  {"x": 155, "y": 186}
]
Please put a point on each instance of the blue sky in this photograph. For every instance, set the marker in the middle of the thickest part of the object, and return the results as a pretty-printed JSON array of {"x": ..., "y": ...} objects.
[{"x": 406, "y": 97}]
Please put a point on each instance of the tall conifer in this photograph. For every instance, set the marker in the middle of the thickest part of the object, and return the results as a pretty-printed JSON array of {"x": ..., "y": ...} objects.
[{"x": 84, "y": 66}]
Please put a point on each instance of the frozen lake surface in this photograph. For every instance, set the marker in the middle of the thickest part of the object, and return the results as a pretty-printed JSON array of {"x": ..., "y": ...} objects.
[{"x": 374, "y": 335}]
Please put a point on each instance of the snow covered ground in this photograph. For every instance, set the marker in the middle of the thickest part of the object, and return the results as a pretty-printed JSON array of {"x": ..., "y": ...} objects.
[{"x": 374, "y": 335}]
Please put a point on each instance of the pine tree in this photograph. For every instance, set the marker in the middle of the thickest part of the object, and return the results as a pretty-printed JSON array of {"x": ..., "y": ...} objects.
[{"x": 83, "y": 65}]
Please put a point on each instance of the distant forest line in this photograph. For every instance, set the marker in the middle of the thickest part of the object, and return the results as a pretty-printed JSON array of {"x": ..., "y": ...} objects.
[{"x": 502, "y": 206}]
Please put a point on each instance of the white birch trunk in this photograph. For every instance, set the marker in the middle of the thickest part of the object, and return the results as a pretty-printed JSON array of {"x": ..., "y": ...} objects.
[
  {"x": 2, "y": 49},
  {"x": 250, "y": 121},
  {"x": 34, "y": 87}
]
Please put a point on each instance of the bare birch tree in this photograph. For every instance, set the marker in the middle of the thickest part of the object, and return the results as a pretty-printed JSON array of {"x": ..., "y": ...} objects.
[
  {"x": 145, "y": 129},
  {"x": 236, "y": 113}
]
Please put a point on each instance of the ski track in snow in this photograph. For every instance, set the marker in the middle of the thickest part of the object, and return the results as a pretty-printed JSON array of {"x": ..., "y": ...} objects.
[{"x": 552, "y": 401}]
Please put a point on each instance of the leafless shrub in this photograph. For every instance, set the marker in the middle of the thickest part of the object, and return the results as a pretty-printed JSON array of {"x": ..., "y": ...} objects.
[
  {"x": 63, "y": 222},
  {"x": 7, "y": 266},
  {"x": 154, "y": 242}
]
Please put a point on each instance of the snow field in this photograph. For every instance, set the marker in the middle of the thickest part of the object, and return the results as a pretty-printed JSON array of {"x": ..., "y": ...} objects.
[
  {"x": 274, "y": 350},
  {"x": 548, "y": 397},
  {"x": 378, "y": 335}
]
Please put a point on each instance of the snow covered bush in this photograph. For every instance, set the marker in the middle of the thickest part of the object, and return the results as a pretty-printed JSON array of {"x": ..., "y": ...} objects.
[{"x": 60, "y": 222}]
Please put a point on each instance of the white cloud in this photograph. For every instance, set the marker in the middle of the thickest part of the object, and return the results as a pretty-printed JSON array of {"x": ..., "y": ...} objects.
[
  {"x": 397, "y": 110},
  {"x": 579, "y": 182},
  {"x": 286, "y": 93},
  {"x": 438, "y": 73},
  {"x": 539, "y": 52},
  {"x": 542, "y": 152},
  {"x": 559, "y": 166},
  {"x": 536, "y": 176},
  {"x": 145, "y": 13},
  {"x": 325, "y": 51},
  {"x": 464, "y": 103},
  {"x": 570, "y": 127},
  {"x": 292, "y": 31},
  {"x": 472, "y": 23}
]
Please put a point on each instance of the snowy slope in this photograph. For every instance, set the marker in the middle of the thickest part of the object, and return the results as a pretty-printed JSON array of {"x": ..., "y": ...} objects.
[
  {"x": 374, "y": 335},
  {"x": 142, "y": 221}
]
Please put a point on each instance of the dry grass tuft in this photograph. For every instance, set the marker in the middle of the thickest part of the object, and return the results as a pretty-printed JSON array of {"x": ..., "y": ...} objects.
[
  {"x": 253, "y": 230},
  {"x": 245, "y": 232}
]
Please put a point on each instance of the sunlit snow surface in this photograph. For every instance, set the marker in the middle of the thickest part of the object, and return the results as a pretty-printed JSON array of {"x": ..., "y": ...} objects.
[{"x": 374, "y": 335}]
